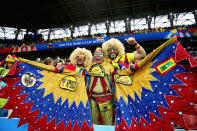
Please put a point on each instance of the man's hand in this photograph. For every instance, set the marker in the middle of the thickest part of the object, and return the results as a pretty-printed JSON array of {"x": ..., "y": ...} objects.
[
  {"x": 131, "y": 40},
  {"x": 58, "y": 67}
]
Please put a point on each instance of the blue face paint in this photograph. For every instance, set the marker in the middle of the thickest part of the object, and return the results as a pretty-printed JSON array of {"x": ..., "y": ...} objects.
[{"x": 100, "y": 54}]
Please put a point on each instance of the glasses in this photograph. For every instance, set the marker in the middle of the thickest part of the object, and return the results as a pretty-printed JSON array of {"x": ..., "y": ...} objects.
[
  {"x": 98, "y": 54},
  {"x": 110, "y": 49},
  {"x": 81, "y": 55}
]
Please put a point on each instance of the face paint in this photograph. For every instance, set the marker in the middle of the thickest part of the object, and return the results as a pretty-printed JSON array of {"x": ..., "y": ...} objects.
[
  {"x": 98, "y": 56},
  {"x": 98, "y": 52}
]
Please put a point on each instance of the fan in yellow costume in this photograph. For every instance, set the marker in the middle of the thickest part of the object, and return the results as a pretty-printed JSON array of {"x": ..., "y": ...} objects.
[
  {"x": 58, "y": 97},
  {"x": 9, "y": 69},
  {"x": 151, "y": 97},
  {"x": 115, "y": 52},
  {"x": 100, "y": 89}
]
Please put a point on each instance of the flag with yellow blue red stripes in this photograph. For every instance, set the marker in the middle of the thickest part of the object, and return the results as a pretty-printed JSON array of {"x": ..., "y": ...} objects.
[
  {"x": 163, "y": 92},
  {"x": 47, "y": 100}
]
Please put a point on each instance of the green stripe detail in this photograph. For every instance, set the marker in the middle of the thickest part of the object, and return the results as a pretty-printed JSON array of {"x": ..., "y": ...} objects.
[{"x": 166, "y": 66}]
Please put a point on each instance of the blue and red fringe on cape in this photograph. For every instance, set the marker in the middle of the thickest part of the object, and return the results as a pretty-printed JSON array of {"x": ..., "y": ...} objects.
[
  {"x": 27, "y": 104},
  {"x": 172, "y": 101}
]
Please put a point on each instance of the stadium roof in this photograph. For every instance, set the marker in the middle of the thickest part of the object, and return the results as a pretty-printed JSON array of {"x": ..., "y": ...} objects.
[{"x": 41, "y": 14}]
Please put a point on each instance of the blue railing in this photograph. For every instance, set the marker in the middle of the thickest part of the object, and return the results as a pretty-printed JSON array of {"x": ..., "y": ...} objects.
[{"x": 99, "y": 41}]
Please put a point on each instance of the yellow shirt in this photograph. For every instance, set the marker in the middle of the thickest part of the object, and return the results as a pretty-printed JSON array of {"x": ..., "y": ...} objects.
[
  {"x": 78, "y": 68},
  {"x": 130, "y": 58}
]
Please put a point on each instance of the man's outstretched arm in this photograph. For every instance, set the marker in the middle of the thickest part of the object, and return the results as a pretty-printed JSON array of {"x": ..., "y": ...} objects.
[{"x": 140, "y": 52}]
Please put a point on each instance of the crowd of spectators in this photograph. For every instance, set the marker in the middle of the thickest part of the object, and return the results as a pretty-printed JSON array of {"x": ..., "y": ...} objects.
[
  {"x": 19, "y": 43},
  {"x": 119, "y": 34},
  {"x": 56, "y": 62}
]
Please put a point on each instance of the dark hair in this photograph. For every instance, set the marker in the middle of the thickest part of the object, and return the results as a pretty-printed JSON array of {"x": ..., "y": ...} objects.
[
  {"x": 61, "y": 61},
  {"x": 48, "y": 60}
]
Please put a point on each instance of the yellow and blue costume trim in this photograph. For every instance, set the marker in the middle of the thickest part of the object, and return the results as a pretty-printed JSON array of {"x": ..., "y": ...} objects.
[
  {"x": 158, "y": 97},
  {"x": 37, "y": 97}
]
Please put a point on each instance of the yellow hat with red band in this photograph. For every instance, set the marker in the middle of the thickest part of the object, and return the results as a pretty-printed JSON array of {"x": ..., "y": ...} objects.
[
  {"x": 98, "y": 49},
  {"x": 11, "y": 58},
  {"x": 61, "y": 61},
  {"x": 98, "y": 52}
]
